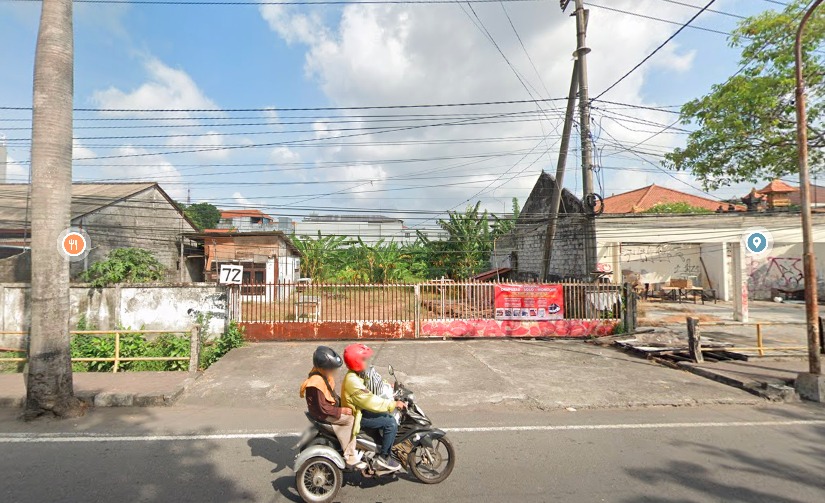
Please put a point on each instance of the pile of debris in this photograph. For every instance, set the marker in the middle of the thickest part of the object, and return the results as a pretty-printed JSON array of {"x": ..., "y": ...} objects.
[{"x": 665, "y": 346}]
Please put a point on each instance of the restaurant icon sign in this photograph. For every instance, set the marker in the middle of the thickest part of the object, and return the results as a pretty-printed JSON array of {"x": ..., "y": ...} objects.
[{"x": 74, "y": 244}]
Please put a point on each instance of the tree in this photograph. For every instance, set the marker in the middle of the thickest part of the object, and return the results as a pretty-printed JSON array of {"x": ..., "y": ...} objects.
[
  {"x": 746, "y": 125},
  {"x": 125, "y": 265},
  {"x": 678, "y": 207},
  {"x": 504, "y": 225},
  {"x": 467, "y": 250},
  {"x": 49, "y": 387},
  {"x": 203, "y": 215},
  {"x": 320, "y": 255}
]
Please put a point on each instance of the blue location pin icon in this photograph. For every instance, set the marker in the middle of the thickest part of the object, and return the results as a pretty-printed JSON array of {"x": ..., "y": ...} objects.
[{"x": 756, "y": 242}]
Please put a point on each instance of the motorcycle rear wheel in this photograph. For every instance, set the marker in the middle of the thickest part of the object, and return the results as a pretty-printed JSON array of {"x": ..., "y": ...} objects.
[
  {"x": 434, "y": 468},
  {"x": 318, "y": 480}
]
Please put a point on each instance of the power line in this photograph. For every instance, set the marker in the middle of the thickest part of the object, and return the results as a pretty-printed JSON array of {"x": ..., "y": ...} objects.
[
  {"x": 662, "y": 45},
  {"x": 296, "y": 109}
]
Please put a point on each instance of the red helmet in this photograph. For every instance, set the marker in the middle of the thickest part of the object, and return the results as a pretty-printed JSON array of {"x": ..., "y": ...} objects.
[{"x": 356, "y": 356}]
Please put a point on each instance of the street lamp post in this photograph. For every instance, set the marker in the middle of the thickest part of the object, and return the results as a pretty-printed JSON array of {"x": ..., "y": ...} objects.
[{"x": 810, "y": 385}]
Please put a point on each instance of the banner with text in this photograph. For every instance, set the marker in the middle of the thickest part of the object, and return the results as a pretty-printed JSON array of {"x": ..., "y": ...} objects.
[{"x": 529, "y": 302}]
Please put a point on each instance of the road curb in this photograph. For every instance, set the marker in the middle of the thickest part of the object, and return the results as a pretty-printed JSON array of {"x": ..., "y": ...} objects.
[
  {"x": 119, "y": 399},
  {"x": 769, "y": 391}
]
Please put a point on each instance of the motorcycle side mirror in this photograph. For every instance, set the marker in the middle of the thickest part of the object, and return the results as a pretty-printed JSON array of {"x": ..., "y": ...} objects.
[{"x": 391, "y": 370}]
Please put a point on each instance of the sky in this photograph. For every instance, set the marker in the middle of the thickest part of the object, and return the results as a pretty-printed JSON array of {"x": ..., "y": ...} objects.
[{"x": 274, "y": 106}]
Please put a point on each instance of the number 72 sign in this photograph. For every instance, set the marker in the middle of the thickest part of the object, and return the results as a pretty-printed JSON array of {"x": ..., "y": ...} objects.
[{"x": 230, "y": 274}]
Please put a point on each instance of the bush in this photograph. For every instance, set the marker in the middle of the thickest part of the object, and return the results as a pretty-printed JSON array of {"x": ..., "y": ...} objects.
[
  {"x": 232, "y": 338},
  {"x": 135, "y": 345},
  {"x": 124, "y": 265}
]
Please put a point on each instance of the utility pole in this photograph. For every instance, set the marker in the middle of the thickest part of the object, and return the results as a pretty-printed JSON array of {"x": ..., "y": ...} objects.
[
  {"x": 809, "y": 385},
  {"x": 582, "y": 50},
  {"x": 555, "y": 200}
]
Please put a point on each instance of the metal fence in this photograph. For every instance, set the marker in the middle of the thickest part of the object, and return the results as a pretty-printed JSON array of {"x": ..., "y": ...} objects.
[{"x": 434, "y": 300}]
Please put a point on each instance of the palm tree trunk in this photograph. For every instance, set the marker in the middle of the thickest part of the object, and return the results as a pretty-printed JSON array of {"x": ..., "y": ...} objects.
[{"x": 49, "y": 388}]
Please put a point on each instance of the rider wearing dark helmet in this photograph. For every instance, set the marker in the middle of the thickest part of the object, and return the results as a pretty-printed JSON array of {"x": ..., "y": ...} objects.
[{"x": 325, "y": 405}]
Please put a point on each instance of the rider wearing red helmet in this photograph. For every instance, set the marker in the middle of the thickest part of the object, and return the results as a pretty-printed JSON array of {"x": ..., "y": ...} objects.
[{"x": 356, "y": 395}]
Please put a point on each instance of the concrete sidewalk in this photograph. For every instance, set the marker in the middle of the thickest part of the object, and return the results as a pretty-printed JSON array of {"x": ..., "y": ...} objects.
[
  {"x": 503, "y": 374},
  {"x": 107, "y": 389}
]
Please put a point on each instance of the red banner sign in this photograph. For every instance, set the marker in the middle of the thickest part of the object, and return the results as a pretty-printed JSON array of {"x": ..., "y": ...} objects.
[{"x": 529, "y": 302}]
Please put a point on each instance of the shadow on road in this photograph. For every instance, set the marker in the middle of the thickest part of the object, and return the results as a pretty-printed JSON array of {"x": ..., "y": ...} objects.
[
  {"x": 713, "y": 478},
  {"x": 154, "y": 470},
  {"x": 279, "y": 452}
]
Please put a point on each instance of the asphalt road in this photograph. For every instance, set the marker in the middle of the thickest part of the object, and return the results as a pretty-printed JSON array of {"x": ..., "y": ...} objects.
[{"x": 730, "y": 454}]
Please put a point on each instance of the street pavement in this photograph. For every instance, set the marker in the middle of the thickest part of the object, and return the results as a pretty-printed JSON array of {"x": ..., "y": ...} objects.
[
  {"x": 685, "y": 454},
  {"x": 465, "y": 374}
]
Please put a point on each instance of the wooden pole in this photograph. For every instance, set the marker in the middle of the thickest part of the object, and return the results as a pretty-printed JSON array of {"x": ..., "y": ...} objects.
[
  {"x": 694, "y": 342},
  {"x": 117, "y": 352}
]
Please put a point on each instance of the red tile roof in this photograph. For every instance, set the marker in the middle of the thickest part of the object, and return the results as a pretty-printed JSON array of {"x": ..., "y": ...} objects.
[
  {"x": 243, "y": 213},
  {"x": 778, "y": 187},
  {"x": 640, "y": 200}
]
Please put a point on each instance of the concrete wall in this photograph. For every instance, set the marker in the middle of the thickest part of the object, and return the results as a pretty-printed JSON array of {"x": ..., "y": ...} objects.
[
  {"x": 16, "y": 267},
  {"x": 146, "y": 220},
  {"x": 152, "y": 307}
]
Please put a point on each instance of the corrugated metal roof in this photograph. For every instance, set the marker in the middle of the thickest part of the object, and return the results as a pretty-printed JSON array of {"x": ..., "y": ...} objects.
[{"x": 86, "y": 198}]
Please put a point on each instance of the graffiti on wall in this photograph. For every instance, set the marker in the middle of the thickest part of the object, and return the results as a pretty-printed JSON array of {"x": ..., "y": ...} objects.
[{"x": 783, "y": 273}]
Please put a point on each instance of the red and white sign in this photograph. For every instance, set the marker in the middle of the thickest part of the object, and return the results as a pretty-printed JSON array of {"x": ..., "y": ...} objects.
[{"x": 529, "y": 302}]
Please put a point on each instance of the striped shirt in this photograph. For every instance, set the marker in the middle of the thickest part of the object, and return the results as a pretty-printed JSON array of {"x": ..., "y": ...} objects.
[{"x": 374, "y": 381}]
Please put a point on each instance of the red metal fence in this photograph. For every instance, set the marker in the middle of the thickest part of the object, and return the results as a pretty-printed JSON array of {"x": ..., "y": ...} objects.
[{"x": 298, "y": 311}]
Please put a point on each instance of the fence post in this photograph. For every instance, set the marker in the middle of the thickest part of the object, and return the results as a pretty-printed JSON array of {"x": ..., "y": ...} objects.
[
  {"x": 694, "y": 342},
  {"x": 629, "y": 308},
  {"x": 417, "y": 295},
  {"x": 117, "y": 352},
  {"x": 195, "y": 348}
]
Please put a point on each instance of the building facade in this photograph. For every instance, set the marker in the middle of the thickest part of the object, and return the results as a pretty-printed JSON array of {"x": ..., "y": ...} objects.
[
  {"x": 253, "y": 221},
  {"x": 114, "y": 215}
]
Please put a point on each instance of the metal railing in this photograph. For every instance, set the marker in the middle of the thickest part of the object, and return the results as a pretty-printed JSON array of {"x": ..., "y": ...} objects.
[
  {"x": 116, "y": 359},
  {"x": 432, "y": 300}
]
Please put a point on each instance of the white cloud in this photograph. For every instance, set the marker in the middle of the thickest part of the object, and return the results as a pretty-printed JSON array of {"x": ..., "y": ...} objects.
[
  {"x": 166, "y": 88},
  {"x": 242, "y": 201},
  {"x": 391, "y": 54},
  {"x": 284, "y": 155}
]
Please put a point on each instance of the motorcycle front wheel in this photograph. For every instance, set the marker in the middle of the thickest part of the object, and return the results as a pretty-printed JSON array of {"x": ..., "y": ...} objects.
[
  {"x": 432, "y": 465},
  {"x": 318, "y": 480}
]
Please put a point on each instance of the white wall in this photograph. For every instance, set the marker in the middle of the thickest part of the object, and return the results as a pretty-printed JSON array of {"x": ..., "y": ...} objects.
[{"x": 152, "y": 307}]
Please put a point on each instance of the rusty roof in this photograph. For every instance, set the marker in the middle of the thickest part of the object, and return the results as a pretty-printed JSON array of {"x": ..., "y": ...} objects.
[{"x": 87, "y": 198}]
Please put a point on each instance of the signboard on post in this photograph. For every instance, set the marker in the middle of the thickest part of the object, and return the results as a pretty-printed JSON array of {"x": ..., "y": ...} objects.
[
  {"x": 230, "y": 274},
  {"x": 520, "y": 302}
]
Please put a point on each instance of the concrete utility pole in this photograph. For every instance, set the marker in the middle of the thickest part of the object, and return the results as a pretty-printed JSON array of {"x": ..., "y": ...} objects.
[
  {"x": 555, "y": 200},
  {"x": 809, "y": 385},
  {"x": 587, "y": 145}
]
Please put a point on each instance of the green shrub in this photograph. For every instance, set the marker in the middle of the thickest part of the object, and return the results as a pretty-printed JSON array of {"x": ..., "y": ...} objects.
[
  {"x": 232, "y": 338},
  {"x": 124, "y": 265}
]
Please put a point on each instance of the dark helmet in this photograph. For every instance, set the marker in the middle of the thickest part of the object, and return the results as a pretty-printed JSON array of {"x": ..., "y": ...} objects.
[{"x": 326, "y": 358}]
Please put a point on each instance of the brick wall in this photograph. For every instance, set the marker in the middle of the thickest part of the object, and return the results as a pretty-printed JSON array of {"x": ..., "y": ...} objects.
[{"x": 523, "y": 249}]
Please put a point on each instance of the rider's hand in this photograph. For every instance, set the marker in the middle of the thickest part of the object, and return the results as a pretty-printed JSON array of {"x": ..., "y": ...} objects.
[
  {"x": 346, "y": 411},
  {"x": 401, "y": 405}
]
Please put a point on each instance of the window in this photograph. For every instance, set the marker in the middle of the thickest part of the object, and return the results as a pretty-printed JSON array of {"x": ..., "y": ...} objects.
[{"x": 256, "y": 220}]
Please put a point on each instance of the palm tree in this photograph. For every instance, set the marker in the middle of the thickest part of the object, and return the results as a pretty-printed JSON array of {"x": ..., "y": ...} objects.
[{"x": 49, "y": 388}]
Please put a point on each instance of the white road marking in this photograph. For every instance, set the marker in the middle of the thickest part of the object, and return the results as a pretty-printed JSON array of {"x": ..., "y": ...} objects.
[{"x": 12, "y": 438}]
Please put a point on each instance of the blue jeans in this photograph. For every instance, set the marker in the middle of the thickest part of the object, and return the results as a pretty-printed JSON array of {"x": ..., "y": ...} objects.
[{"x": 385, "y": 423}]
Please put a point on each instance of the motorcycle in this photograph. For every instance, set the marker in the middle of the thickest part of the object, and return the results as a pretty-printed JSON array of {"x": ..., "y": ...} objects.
[{"x": 423, "y": 450}]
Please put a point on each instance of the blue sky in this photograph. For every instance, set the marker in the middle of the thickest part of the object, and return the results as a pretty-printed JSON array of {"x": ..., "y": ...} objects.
[{"x": 231, "y": 57}]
